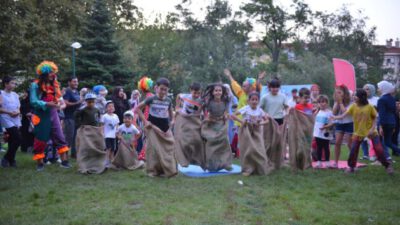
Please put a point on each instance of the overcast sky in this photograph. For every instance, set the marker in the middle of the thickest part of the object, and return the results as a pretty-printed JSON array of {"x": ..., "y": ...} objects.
[{"x": 384, "y": 14}]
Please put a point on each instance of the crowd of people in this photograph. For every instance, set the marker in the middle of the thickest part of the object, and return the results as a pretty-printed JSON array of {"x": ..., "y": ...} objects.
[{"x": 206, "y": 127}]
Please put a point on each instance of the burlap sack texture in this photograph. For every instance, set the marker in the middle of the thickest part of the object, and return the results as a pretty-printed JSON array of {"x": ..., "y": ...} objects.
[
  {"x": 253, "y": 155},
  {"x": 160, "y": 153},
  {"x": 189, "y": 145},
  {"x": 126, "y": 157},
  {"x": 90, "y": 147},
  {"x": 218, "y": 153},
  {"x": 298, "y": 133}
]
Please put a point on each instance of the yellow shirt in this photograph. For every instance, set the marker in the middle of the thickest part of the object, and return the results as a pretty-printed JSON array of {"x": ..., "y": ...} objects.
[{"x": 363, "y": 117}]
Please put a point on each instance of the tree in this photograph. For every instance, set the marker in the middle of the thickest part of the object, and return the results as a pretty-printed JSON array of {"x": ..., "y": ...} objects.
[
  {"x": 341, "y": 35},
  {"x": 99, "y": 59},
  {"x": 280, "y": 24}
]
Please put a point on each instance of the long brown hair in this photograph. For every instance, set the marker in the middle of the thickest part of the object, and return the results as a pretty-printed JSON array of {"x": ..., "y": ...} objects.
[{"x": 346, "y": 94}]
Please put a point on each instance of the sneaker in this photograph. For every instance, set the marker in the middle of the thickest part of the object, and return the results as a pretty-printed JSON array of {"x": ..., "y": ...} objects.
[
  {"x": 389, "y": 169},
  {"x": 349, "y": 170},
  {"x": 319, "y": 165},
  {"x": 59, "y": 160},
  {"x": 3, "y": 150},
  {"x": 328, "y": 164},
  {"x": 5, "y": 163},
  {"x": 372, "y": 158},
  {"x": 334, "y": 166},
  {"x": 365, "y": 157},
  {"x": 65, "y": 164},
  {"x": 40, "y": 167}
]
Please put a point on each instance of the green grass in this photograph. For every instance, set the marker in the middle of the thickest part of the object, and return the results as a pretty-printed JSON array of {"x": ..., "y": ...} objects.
[{"x": 59, "y": 196}]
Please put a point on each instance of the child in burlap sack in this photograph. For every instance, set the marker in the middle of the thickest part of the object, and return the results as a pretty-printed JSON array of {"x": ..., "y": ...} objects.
[
  {"x": 160, "y": 157},
  {"x": 215, "y": 128},
  {"x": 253, "y": 156}
]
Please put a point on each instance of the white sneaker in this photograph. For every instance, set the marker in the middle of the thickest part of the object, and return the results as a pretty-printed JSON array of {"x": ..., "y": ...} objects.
[
  {"x": 372, "y": 158},
  {"x": 319, "y": 165},
  {"x": 328, "y": 164}
]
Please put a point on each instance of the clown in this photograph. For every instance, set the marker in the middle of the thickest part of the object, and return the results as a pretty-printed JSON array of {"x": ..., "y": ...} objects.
[
  {"x": 100, "y": 102},
  {"x": 145, "y": 85},
  {"x": 45, "y": 100}
]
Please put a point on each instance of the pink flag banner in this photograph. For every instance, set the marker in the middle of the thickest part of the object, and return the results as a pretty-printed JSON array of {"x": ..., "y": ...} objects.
[{"x": 344, "y": 73}]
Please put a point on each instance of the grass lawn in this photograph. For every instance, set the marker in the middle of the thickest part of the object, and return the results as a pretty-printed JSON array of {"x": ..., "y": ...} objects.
[{"x": 59, "y": 196}]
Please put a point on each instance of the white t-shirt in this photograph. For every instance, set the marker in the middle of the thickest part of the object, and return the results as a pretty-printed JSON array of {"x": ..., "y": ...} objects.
[
  {"x": 128, "y": 133},
  {"x": 252, "y": 115},
  {"x": 190, "y": 105},
  {"x": 10, "y": 103},
  {"x": 274, "y": 105},
  {"x": 110, "y": 123},
  {"x": 291, "y": 103},
  {"x": 321, "y": 120}
]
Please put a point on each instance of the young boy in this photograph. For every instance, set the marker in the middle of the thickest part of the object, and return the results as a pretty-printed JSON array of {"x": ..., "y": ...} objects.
[
  {"x": 89, "y": 115},
  {"x": 304, "y": 99},
  {"x": 10, "y": 119},
  {"x": 189, "y": 143},
  {"x": 160, "y": 159},
  {"x": 274, "y": 103},
  {"x": 110, "y": 123},
  {"x": 190, "y": 103},
  {"x": 127, "y": 131}
]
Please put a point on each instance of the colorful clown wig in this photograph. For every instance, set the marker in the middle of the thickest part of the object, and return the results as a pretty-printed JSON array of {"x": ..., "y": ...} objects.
[
  {"x": 252, "y": 82},
  {"x": 145, "y": 84},
  {"x": 96, "y": 89},
  {"x": 46, "y": 67}
]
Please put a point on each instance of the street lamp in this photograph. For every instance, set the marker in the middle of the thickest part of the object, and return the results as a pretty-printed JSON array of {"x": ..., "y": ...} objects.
[{"x": 75, "y": 45}]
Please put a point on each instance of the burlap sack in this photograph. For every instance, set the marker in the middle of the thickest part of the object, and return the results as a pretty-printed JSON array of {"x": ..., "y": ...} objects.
[
  {"x": 126, "y": 157},
  {"x": 299, "y": 136},
  {"x": 90, "y": 146},
  {"x": 189, "y": 145},
  {"x": 273, "y": 143},
  {"x": 217, "y": 149},
  {"x": 253, "y": 157},
  {"x": 160, "y": 157}
]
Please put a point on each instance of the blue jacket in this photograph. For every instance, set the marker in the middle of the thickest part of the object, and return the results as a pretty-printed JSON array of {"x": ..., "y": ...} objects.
[{"x": 387, "y": 110}]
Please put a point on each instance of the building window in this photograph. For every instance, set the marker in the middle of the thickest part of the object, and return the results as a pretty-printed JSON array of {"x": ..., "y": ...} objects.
[{"x": 388, "y": 61}]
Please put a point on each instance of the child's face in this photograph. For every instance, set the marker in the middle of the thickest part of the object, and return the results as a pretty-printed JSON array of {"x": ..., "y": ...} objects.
[
  {"x": 274, "y": 90},
  {"x": 11, "y": 85},
  {"x": 90, "y": 103},
  {"x": 339, "y": 93},
  {"x": 304, "y": 99},
  {"x": 162, "y": 91},
  {"x": 323, "y": 104},
  {"x": 356, "y": 99},
  {"x": 195, "y": 94},
  {"x": 110, "y": 108},
  {"x": 253, "y": 101},
  {"x": 103, "y": 92},
  {"x": 217, "y": 93},
  {"x": 128, "y": 120},
  {"x": 246, "y": 87}
]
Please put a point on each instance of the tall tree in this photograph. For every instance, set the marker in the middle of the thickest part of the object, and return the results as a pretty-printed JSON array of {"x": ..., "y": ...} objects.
[
  {"x": 99, "y": 59},
  {"x": 280, "y": 24},
  {"x": 341, "y": 35}
]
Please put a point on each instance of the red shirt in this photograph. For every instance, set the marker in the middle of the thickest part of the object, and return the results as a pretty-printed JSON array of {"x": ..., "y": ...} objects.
[{"x": 305, "y": 108}]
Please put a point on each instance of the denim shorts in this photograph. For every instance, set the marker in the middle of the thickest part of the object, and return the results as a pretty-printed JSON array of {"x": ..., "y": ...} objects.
[{"x": 346, "y": 128}]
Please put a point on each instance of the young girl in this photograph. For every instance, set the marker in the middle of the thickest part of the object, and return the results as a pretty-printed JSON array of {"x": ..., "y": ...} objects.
[
  {"x": 364, "y": 117},
  {"x": 344, "y": 126},
  {"x": 253, "y": 156},
  {"x": 215, "y": 128},
  {"x": 321, "y": 132},
  {"x": 135, "y": 99}
]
